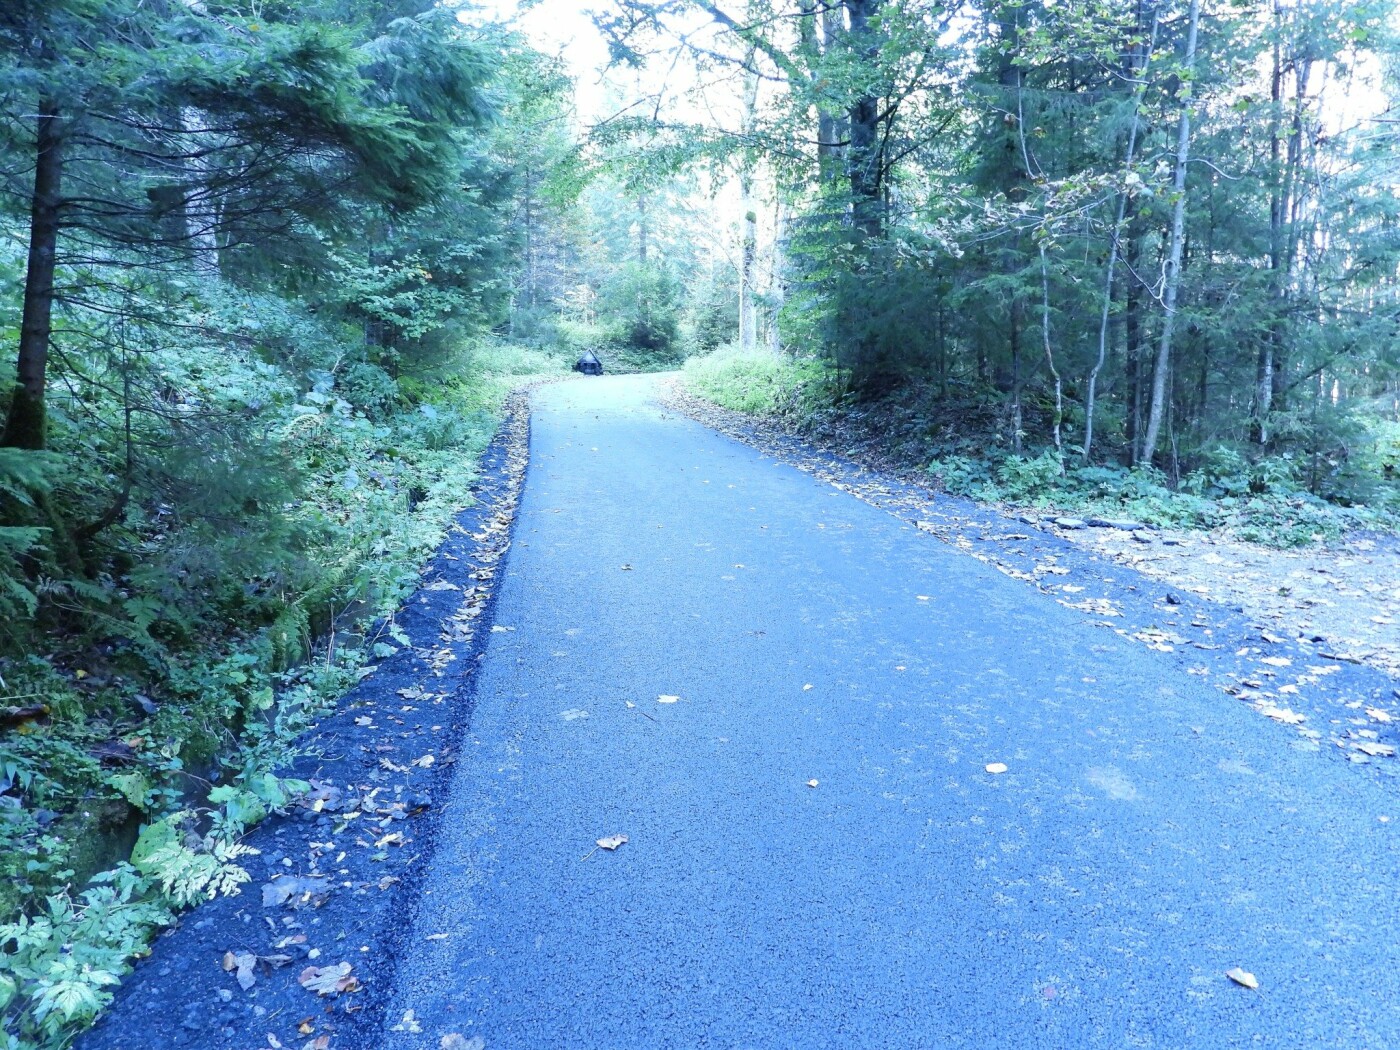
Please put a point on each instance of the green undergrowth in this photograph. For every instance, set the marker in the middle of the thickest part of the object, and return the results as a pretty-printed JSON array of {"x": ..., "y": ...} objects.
[
  {"x": 758, "y": 383},
  {"x": 1280, "y": 500},
  {"x": 1258, "y": 502},
  {"x": 153, "y": 683}
]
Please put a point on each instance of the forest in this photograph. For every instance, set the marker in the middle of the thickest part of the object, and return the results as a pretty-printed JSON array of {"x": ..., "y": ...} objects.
[{"x": 269, "y": 270}]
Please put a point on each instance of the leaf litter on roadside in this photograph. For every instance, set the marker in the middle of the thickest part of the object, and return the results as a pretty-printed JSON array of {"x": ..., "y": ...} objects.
[
  {"x": 329, "y": 980},
  {"x": 243, "y": 966}
]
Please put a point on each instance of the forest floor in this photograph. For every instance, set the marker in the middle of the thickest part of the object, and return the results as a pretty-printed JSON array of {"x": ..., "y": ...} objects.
[{"x": 1344, "y": 595}]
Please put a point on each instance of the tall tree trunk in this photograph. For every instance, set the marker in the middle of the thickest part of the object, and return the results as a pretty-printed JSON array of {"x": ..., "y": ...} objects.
[
  {"x": 1050, "y": 357},
  {"x": 1017, "y": 415},
  {"x": 748, "y": 250},
  {"x": 25, "y": 425},
  {"x": 1264, "y": 360},
  {"x": 777, "y": 267},
  {"x": 1172, "y": 276},
  {"x": 865, "y": 159},
  {"x": 1138, "y": 70},
  {"x": 817, "y": 31}
]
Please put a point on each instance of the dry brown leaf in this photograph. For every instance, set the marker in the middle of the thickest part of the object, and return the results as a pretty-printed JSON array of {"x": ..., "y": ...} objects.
[
  {"x": 996, "y": 767},
  {"x": 243, "y": 963},
  {"x": 1242, "y": 977},
  {"x": 329, "y": 980}
]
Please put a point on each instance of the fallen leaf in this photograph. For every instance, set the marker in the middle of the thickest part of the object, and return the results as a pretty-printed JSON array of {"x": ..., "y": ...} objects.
[
  {"x": 612, "y": 841},
  {"x": 296, "y": 890},
  {"x": 408, "y": 1024},
  {"x": 1242, "y": 977},
  {"x": 241, "y": 965},
  {"x": 456, "y": 1041},
  {"x": 996, "y": 767},
  {"x": 1377, "y": 750},
  {"x": 329, "y": 980},
  {"x": 667, "y": 699},
  {"x": 806, "y": 687},
  {"x": 425, "y": 762},
  {"x": 813, "y": 783},
  {"x": 437, "y": 937}
]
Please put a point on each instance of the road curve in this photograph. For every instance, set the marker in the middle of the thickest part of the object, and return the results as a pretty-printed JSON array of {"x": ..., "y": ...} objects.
[{"x": 1147, "y": 835}]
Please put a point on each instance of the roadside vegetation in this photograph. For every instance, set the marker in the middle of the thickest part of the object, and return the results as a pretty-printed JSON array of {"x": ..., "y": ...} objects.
[
  {"x": 250, "y": 290},
  {"x": 1282, "y": 500}
]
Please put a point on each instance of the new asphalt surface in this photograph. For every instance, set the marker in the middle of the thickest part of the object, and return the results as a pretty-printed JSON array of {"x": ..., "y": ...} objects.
[{"x": 1148, "y": 834}]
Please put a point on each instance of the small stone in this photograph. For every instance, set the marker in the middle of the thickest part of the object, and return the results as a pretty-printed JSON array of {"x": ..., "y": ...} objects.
[
  {"x": 1070, "y": 523},
  {"x": 1116, "y": 523},
  {"x": 226, "y": 995}
]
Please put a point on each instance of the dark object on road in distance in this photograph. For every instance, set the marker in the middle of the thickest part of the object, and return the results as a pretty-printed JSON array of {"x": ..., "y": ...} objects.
[{"x": 589, "y": 364}]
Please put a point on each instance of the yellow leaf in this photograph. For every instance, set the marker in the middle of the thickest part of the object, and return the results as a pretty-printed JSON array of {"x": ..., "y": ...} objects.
[{"x": 1242, "y": 977}]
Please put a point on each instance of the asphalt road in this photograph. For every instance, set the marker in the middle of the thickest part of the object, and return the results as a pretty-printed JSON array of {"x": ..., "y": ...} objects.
[{"x": 1148, "y": 834}]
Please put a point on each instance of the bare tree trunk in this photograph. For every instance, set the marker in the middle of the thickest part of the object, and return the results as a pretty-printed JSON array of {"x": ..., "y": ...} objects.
[
  {"x": 776, "y": 271},
  {"x": 1017, "y": 416},
  {"x": 1172, "y": 275},
  {"x": 748, "y": 251},
  {"x": 1091, "y": 393},
  {"x": 817, "y": 30},
  {"x": 1050, "y": 356},
  {"x": 865, "y": 160},
  {"x": 26, "y": 424}
]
